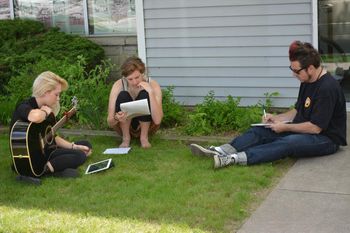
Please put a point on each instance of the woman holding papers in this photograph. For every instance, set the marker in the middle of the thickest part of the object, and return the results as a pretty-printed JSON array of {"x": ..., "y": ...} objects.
[
  {"x": 135, "y": 86},
  {"x": 318, "y": 120}
]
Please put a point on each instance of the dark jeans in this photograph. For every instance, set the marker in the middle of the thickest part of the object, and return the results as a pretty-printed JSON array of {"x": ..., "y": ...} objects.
[
  {"x": 68, "y": 158},
  {"x": 124, "y": 97},
  {"x": 264, "y": 145}
]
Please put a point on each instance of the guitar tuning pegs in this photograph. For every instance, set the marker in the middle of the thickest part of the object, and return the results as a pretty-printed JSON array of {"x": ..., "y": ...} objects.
[{"x": 74, "y": 101}]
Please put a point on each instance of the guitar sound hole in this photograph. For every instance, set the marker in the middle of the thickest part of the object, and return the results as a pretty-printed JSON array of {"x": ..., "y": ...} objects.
[{"x": 49, "y": 135}]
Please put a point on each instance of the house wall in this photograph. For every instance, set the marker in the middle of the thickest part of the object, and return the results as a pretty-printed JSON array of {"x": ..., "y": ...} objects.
[
  {"x": 117, "y": 48},
  {"x": 232, "y": 47}
]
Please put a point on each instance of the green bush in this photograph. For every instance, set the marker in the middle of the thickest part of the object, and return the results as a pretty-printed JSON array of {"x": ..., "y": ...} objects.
[
  {"x": 7, "y": 107},
  {"x": 60, "y": 45},
  {"x": 214, "y": 116},
  {"x": 90, "y": 87},
  {"x": 173, "y": 112},
  {"x": 92, "y": 91},
  {"x": 11, "y": 30},
  {"x": 25, "y": 43}
]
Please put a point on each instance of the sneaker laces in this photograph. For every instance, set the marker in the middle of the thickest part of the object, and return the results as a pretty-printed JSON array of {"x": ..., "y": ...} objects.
[
  {"x": 226, "y": 160},
  {"x": 218, "y": 150}
]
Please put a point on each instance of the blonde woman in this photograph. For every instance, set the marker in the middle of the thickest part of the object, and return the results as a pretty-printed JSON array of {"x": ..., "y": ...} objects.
[
  {"x": 45, "y": 98},
  {"x": 135, "y": 85}
]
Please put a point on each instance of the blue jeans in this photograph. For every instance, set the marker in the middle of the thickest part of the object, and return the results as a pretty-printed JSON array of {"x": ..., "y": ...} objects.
[{"x": 264, "y": 145}]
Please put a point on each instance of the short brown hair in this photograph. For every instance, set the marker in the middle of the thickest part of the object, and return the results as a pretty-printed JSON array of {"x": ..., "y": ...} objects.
[
  {"x": 305, "y": 53},
  {"x": 131, "y": 64}
]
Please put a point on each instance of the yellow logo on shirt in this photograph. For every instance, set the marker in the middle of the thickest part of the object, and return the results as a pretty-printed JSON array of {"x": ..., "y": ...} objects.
[{"x": 307, "y": 102}]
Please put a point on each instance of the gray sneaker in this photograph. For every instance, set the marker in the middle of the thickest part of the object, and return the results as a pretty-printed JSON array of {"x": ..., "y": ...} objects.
[
  {"x": 223, "y": 160},
  {"x": 199, "y": 150}
]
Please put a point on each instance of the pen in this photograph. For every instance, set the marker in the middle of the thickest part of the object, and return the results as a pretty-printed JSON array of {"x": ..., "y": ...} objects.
[{"x": 264, "y": 113}]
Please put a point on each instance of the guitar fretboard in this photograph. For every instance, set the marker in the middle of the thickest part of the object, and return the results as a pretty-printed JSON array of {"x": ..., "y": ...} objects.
[{"x": 64, "y": 119}]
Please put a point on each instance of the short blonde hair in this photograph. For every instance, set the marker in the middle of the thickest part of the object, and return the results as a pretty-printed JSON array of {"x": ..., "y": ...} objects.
[{"x": 48, "y": 81}]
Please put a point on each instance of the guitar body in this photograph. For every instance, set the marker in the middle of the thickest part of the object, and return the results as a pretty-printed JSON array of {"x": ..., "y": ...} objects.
[{"x": 31, "y": 144}]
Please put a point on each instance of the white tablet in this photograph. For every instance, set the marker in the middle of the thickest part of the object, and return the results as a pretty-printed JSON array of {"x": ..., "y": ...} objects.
[{"x": 99, "y": 166}]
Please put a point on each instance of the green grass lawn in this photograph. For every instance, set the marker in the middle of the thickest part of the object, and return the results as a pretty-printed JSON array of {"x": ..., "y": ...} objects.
[{"x": 162, "y": 189}]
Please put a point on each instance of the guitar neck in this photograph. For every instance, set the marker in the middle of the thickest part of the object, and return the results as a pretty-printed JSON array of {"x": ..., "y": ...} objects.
[{"x": 64, "y": 119}]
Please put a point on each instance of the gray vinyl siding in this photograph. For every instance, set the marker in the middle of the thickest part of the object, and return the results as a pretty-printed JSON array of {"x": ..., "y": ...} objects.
[{"x": 237, "y": 48}]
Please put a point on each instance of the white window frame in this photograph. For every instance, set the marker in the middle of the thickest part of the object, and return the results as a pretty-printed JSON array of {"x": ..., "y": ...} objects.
[
  {"x": 86, "y": 18},
  {"x": 140, "y": 31},
  {"x": 315, "y": 23}
]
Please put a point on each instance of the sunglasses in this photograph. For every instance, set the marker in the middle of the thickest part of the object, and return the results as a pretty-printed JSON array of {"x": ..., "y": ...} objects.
[{"x": 296, "y": 71}]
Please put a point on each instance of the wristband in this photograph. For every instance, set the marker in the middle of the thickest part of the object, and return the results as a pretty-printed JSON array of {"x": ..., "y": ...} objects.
[
  {"x": 73, "y": 145},
  {"x": 46, "y": 115}
]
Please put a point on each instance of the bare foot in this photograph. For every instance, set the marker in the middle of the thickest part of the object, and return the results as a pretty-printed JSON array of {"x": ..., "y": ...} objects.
[
  {"x": 125, "y": 143},
  {"x": 145, "y": 143}
]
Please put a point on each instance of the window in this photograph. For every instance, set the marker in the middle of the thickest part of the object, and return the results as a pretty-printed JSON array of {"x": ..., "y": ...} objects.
[
  {"x": 35, "y": 9},
  {"x": 112, "y": 16},
  {"x": 68, "y": 16},
  {"x": 333, "y": 38},
  {"x": 4, "y": 9},
  {"x": 105, "y": 16}
]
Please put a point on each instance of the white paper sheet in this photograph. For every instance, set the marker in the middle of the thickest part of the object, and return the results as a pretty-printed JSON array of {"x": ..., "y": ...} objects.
[
  {"x": 260, "y": 124},
  {"x": 117, "y": 150},
  {"x": 268, "y": 124},
  {"x": 136, "y": 108}
]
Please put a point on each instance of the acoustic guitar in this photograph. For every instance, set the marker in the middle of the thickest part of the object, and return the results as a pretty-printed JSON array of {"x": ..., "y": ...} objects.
[{"x": 32, "y": 143}]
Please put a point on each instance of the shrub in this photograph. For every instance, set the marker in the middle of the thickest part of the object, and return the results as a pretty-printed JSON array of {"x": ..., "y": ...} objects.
[
  {"x": 268, "y": 101},
  {"x": 174, "y": 113},
  {"x": 213, "y": 116},
  {"x": 7, "y": 107},
  {"x": 90, "y": 87},
  {"x": 25, "y": 43},
  {"x": 92, "y": 91},
  {"x": 11, "y": 30}
]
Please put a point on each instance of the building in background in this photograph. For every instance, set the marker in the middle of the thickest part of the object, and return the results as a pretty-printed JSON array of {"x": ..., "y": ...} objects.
[
  {"x": 240, "y": 48},
  {"x": 110, "y": 23},
  {"x": 5, "y": 9},
  {"x": 237, "y": 48},
  {"x": 85, "y": 17}
]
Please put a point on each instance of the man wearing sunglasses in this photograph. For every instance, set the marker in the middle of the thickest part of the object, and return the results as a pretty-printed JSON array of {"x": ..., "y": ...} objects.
[{"x": 317, "y": 124}]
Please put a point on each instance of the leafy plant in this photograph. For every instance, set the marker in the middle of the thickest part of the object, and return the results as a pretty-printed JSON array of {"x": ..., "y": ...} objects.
[
  {"x": 28, "y": 48},
  {"x": 198, "y": 124},
  {"x": 92, "y": 91},
  {"x": 174, "y": 113},
  {"x": 213, "y": 116},
  {"x": 268, "y": 100},
  {"x": 90, "y": 87},
  {"x": 23, "y": 43},
  {"x": 19, "y": 28},
  {"x": 7, "y": 107}
]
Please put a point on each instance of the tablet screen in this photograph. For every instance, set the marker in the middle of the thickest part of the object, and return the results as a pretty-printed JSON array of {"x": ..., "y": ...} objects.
[{"x": 99, "y": 166}]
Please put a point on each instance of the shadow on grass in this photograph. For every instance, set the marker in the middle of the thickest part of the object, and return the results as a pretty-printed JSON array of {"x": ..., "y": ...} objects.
[{"x": 162, "y": 185}]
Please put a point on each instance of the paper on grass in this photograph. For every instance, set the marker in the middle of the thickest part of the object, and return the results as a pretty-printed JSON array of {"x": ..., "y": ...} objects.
[
  {"x": 135, "y": 108},
  {"x": 117, "y": 150}
]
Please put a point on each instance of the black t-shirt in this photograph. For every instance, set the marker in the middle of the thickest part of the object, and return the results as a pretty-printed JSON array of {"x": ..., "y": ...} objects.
[
  {"x": 323, "y": 104},
  {"x": 22, "y": 110}
]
